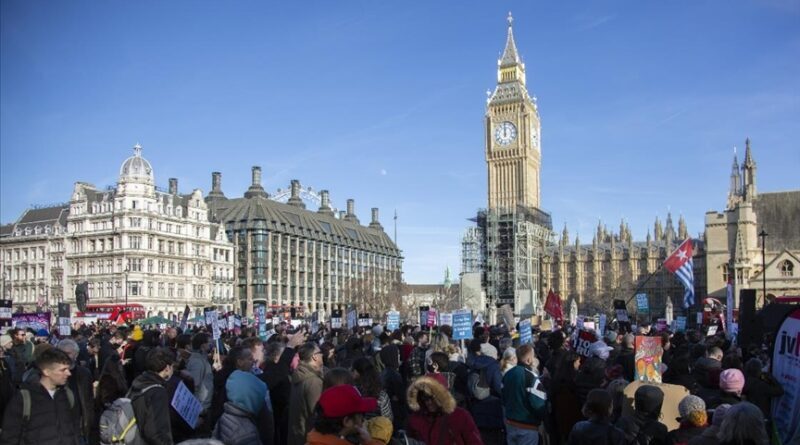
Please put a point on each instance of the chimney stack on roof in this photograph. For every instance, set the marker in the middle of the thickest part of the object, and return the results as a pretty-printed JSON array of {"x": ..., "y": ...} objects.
[
  {"x": 255, "y": 187},
  {"x": 216, "y": 186},
  {"x": 325, "y": 205},
  {"x": 351, "y": 212},
  {"x": 173, "y": 186},
  {"x": 295, "y": 199},
  {"x": 375, "y": 224},
  {"x": 342, "y": 215}
]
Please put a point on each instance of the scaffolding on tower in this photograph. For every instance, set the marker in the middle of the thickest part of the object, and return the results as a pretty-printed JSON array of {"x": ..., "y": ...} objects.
[{"x": 513, "y": 242}]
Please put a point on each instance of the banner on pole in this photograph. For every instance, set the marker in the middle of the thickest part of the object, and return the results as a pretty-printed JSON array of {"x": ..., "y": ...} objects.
[
  {"x": 525, "y": 335},
  {"x": 647, "y": 359},
  {"x": 582, "y": 342},
  {"x": 38, "y": 322},
  {"x": 641, "y": 302},
  {"x": 186, "y": 405},
  {"x": 462, "y": 324},
  {"x": 393, "y": 320}
]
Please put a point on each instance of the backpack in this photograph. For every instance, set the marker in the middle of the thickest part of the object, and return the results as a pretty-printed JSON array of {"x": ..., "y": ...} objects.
[
  {"x": 478, "y": 384},
  {"x": 26, "y": 406},
  {"x": 118, "y": 422}
]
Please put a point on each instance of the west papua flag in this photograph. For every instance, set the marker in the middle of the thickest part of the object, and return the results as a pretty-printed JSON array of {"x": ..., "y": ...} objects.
[
  {"x": 680, "y": 263},
  {"x": 553, "y": 306}
]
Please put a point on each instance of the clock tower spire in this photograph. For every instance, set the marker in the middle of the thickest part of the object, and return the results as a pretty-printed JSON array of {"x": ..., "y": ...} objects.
[{"x": 513, "y": 153}]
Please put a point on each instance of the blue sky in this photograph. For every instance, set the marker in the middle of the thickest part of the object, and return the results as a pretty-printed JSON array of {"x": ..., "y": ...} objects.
[{"x": 641, "y": 103}]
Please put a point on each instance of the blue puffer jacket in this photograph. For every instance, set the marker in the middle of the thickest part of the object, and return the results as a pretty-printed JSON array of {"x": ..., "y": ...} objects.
[{"x": 236, "y": 427}]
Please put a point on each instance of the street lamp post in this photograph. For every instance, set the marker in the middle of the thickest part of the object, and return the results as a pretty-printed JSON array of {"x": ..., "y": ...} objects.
[{"x": 763, "y": 235}]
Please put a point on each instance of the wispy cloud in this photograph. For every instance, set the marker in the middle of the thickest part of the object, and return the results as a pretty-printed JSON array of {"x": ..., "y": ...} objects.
[{"x": 585, "y": 23}]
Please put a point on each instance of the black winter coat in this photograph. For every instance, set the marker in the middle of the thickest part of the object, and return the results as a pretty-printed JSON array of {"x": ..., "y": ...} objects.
[
  {"x": 81, "y": 383},
  {"x": 237, "y": 427},
  {"x": 276, "y": 376},
  {"x": 152, "y": 409},
  {"x": 596, "y": 432},
  {"x": 52, "y": 421}
]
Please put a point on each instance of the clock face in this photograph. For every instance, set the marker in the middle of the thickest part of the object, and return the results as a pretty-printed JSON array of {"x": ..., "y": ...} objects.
[{"x": 505, "y": 133}]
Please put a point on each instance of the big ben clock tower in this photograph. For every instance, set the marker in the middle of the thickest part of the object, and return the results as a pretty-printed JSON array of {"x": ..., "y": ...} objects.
[{"x": 513, "y": 152}]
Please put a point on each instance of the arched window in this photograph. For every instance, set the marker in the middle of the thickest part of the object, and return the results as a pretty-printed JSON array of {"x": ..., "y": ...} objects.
[
  {"x": 787, "y": 269},
  {"x": 726, "y": 273}
]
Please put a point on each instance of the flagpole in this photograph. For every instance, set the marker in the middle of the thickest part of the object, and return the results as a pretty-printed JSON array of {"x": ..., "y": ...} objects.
[{"x": 661, "y": 266}]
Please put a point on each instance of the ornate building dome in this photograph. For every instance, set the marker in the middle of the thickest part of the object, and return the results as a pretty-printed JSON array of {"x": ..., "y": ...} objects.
[{"x": 136, "y": 168}]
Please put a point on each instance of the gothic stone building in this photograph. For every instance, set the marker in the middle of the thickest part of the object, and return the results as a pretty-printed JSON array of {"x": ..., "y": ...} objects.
[
  {"x": 733, "y": 242},
  {"x": 614, "y": 265}
]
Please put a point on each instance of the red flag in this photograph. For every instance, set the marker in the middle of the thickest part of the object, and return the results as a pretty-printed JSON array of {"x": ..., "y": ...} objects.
[{"x": 553, "y": 306}]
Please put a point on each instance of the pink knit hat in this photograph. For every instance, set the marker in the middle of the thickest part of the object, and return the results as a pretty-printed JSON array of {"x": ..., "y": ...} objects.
[{"x": 731, "y": 380}]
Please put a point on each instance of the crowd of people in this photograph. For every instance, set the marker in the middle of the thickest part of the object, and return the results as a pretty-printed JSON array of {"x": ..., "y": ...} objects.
[{"x": 373, "y": 386}]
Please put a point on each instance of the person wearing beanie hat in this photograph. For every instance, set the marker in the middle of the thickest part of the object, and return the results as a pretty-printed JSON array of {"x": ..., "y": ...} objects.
[
  {"x": 137, "y": 334},
  {"x": 731, "y": 383},
  {"x": 709, "y": 435},
  {"x": 693, "y": 420},
  {"x": 644, "y": 425},
  {"x": 380, "y": 429}
]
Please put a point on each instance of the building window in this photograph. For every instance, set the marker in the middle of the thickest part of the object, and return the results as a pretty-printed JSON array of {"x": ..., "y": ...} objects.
[
  {"x": 726, "y": 273},
  {"x": 787, "y": 269}
]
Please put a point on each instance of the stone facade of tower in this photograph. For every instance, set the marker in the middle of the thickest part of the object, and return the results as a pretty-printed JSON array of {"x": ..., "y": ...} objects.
[
  {"x": 734, "y": 249},
  {"x": 513, "y": 152}
]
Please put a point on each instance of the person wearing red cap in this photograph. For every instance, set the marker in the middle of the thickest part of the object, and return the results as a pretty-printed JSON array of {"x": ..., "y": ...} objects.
[{"x": 340, "y": 418}]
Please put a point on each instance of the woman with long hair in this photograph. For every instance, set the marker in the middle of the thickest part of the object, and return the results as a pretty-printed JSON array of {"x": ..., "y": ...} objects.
[
  {"x": 368, "y": 382},
  {"x": 509, "y": 360}
]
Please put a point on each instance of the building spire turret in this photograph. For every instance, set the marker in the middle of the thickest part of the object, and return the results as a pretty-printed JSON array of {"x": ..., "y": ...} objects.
[
  {"x": 748, "y": 174},
  {"x": 510, "y": 66},
  {"x": 683, "y": 233},
  {"x": 565, "y": 235}
]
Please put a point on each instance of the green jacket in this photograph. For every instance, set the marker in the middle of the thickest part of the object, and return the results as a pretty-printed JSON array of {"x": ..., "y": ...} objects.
[{"x": 523, "y": 396}]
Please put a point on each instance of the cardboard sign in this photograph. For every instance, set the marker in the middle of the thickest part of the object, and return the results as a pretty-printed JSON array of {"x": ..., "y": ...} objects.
[
  {"x": 352, "y": 318},
  {"x": 431, "y": 318},
  {"x": 64, "y": 327},
  {"x": 525, "y": 335},
  {"x": 647, "y": 359},
  {"x": 712, "y": 331},
  {"x": 423, "y": 315},
  {"x": 673, "y": 394},
  {"x": 507, "y": 316},
  {"x": 785, "y": 369},
  {"x": 215, "y": 331},
  {"x": 445, "y": 319},
  {"x": 641, "y": 302},
  {"x": 547, "y": 325},
  {"x": 589, "y": 325},
  {"x": 462, "y": 324},
  {"x": 186, "y": 405},
  {"x": 582, "y": 342},
  {"x": 393, "y": 320}
]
